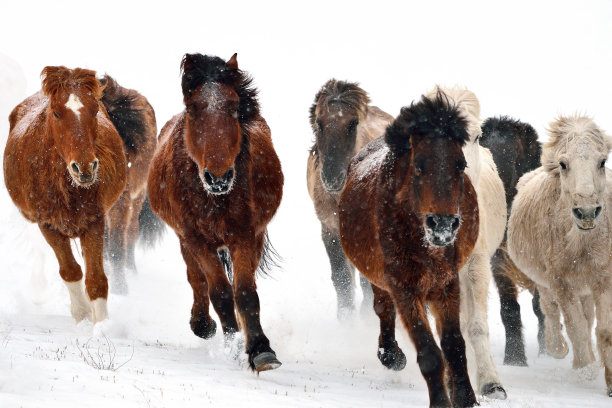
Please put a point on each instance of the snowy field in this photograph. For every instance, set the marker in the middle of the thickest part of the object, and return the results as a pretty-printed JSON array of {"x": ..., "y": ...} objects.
[{"x": 524, "y": 59}]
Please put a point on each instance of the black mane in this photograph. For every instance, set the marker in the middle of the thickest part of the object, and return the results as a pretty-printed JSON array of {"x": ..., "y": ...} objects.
[
  {"x": 122, "y": 107},
  {"x": 506, "y": 127},
  {"x": 435, "y": 117},
  {"x": 198, "y": 69},
  {"x": 348, "y": 94}
]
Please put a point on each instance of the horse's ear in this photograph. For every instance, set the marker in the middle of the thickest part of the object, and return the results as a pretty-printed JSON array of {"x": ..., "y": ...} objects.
[
  {"x": 233, "y": 62},
  {"x": 398, "y": 134}
]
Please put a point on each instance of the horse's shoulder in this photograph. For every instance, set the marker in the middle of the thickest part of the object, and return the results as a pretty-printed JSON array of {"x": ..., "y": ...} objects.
[
  {"x": 31, "y": 107},
  {"x": 376, "y": 122}
]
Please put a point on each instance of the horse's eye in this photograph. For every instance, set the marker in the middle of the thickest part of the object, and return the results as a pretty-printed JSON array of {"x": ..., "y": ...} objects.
[
  {"x": 353, "y": 125},
  {"x": 461, "y": 165},
  {"x": 319, "y": 125},
  {"x": 235, "y": 114},
  {"x": 189, "y": 116},
  {"x": 602, "y": 164},
  {"x": 56, "y": 115},
  {"x": 563, "y": 165},
  {"x": 418, "y": 169}
]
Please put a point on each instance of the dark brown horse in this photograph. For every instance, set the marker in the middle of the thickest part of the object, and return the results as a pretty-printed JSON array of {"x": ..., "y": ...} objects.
[
  {"x": 516, "y": 151},
  {"x": 216, "y": 180},
  {"x": 64, "y": 167},
  {"x": 134, "y": 119},
  {"x": 409, "y": 222},
  {"x": 343, "y": 122}
]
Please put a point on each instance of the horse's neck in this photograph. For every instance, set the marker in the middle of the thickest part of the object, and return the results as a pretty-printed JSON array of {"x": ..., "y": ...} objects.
[
  {"x": 372, "y": 126},
  {"x": 472, "y": 153}
]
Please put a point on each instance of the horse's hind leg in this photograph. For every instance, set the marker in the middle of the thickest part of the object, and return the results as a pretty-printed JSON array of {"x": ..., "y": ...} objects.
[
  {"x": 556, "y": 345},
  {"x": 367, "y": 291},
  {"x": 510, "y": 311},
  {"x": 475, "y": 278},
  {"x": 537, "y": 310},
  {"x": 70, "y": 271},
  {"x": 389, "y": 353},
  {"x": 201, "y": 323},
  {"x": 119, "y": 218},
  {"x": 96, "y": 283},
  {"x": 245, "y": 257},
  {"x": 342, "y": 274},
  {"x": 133, "y": 230}
]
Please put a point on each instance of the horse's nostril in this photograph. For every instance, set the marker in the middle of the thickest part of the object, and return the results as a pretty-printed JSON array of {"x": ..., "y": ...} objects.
[
  {"x": 577, "y": 213},
  {"x": 597, "y": 211},
  {"x": 229, "y": 175},
  {"x": 208, "y": 178},
  {"x": 430, "y": 221},
  {"x": 455, "y": 223},
  {"x": 94, "y": 165},
  {"x": 75, "y": 167}
]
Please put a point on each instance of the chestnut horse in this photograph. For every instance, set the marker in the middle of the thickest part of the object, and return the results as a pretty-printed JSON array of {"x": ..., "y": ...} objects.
[
  {"x": 343, "y": 122},
  {"x": 516, "y": 151},
  {"x": 216, "y": 180},
  {"x": 64, "y": 167},
  {"x": 134, "y": 119},
  {"x": 409, "y": 221}
]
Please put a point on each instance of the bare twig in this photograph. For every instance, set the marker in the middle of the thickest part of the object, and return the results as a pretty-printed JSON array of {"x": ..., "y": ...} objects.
[{"x": 103, "y": 355}]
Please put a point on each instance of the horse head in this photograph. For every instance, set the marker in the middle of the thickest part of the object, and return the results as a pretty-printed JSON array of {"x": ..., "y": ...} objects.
[
  {"x": 338, "y": 109},
  {"x": 219, "y": 104},
  {"x": 576, "y": 152},
  {"x": 427, "y": 139},
  {"x": 74, "y": 96}
]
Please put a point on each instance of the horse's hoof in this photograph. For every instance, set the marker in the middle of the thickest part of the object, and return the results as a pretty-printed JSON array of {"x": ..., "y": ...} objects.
[
  {"x": 204, "y": 328},
  {"x": 494, "y": 390},
  {"x": 610, "y": 392},
  {"x": 392, "y": 358},
  {"x": 266, "y": 361}
]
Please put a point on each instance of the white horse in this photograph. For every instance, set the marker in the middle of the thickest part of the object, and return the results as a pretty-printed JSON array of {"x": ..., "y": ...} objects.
[
  {"x": 560, "y": 235},
  {"x": 475, "y": 276}
]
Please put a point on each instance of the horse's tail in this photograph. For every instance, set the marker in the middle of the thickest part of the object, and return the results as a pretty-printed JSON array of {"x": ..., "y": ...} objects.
[
  {"x": 269, "y": 258},
  {"x": 129, "y": 112},
  {"x": 509, "y": 268},
  {"x": 151, "y": 228}
]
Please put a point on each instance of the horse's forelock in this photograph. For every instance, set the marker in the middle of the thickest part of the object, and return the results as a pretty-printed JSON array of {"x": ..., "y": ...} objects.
[
  {"x": 563, "y": 130},
  {"x": 348, "y": 95},
  {"x": 61, "y": 79}
]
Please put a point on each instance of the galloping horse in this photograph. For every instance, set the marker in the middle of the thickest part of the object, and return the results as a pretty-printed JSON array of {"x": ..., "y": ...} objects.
[
  {"x": 409, "y": 221},
  {"x": 559, "y": 235},
  {"x": 516, "y": 151},
  {"x": 64, "y": 167},
  {"x": 134, "y": 119},
  {"x": 216, "y": 180},
  {"x": 343, "y": 122}
]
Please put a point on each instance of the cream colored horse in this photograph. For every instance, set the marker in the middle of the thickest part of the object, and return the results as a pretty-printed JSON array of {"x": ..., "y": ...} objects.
[
  {"x": 476, "y": 275},
  {"x": 560, "y": 235}
]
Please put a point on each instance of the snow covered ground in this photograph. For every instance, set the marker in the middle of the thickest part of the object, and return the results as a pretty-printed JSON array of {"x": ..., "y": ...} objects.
[{"x": 524, "y": 59}]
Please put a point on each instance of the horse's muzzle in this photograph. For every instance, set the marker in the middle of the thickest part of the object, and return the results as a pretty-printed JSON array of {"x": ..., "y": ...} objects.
[
  {"x": 218, "y": 185},
  {"x": 441, "y": 230},
  {"x": 335, "y": 185},
  {"x": 586, "y": 217},
  {"x": 84, "y": 178}
]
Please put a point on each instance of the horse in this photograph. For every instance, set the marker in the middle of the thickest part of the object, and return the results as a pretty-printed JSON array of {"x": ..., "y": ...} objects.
[
  {"x": 134, "y": 119},
  {"x": 64, "y": 168},
  {"x": 343, "y": 121},
  {"x": 409, "y": 221},
  {"x": 216, "y": 180},
  {"x": 516, "y": 151},
  {"x": 559, "y": 235}
]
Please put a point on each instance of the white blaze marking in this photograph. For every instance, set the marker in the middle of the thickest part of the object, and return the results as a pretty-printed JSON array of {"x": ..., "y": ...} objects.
[{"x": 74, "y": 104}]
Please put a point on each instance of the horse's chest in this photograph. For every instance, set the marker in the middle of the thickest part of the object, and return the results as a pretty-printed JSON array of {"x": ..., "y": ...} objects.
[{"x": 71, "y": 215}]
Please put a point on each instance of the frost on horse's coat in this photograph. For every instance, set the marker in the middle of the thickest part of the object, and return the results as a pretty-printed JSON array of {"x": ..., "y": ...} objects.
[{"x": 559, "y": 234}]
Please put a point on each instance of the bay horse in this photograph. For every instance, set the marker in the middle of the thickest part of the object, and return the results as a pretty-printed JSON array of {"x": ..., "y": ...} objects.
[
  {"x": 559, "y": 235},
  {"x": 64, "y": 168},
  {"x": 134, "y": 119},
  {"x": 409, "y": 221},
  {"x": 343, "y": 121},
  {"x": 216, "y": 180},
  {"x": 516, "y": 151}
]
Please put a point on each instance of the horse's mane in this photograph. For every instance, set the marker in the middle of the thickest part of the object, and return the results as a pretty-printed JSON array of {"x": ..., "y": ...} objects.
[
  {"x": 198, "y": 69},
  {"x": 435, "y": 117},
  {"x": 563, "y": 130},
  {"x": 505, "y": 127},
  {"x": 124, "y": 111},
  {"x": 58, "y": 79},
  {"x": 347, "y": 94}
]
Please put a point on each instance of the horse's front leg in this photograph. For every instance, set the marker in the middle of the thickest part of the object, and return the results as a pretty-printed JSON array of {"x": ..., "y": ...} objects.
[
  {"x": 475, "y": 278},
  {"x": 556, "y": 345},
  {"x": 446, "y": 311},
  {"x": 92, "y": 242},
  {"x": 603, "y": 303},
  {"x": 341, "y": 272},
  {"x": 70, "y": 271},
  {"x": 429, "y": 357},
  {"x": 118, "y": 221},
  {"x": 389, "y": 353},
  {"x": 245, "y": 257}
]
